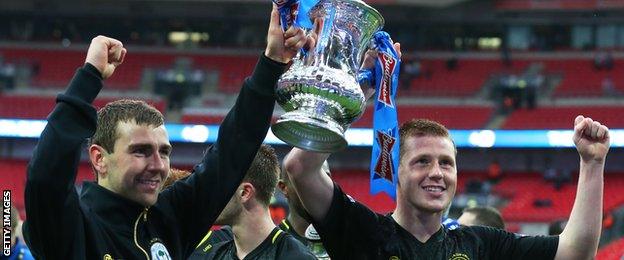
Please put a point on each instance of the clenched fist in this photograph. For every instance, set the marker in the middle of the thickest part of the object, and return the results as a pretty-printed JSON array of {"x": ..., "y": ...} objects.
[
  {"x": 591, "y": 139},
  {"x": 105, "y": 54}
]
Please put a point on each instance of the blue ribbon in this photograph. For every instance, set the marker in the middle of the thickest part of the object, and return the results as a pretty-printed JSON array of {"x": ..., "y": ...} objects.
[
  {"x": 303, "y": 18},
  {"x": 385, "y": 155},
  {"x": 295, "y": 13}
]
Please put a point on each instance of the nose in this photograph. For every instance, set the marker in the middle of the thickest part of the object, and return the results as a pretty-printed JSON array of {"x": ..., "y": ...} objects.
[
  {"x": 157, "y": 163},
  {"x": 436, "y": 172}
]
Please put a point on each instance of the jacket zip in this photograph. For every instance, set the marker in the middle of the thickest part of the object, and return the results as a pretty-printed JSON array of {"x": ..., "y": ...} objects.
[{"x": 136, "y": 224}]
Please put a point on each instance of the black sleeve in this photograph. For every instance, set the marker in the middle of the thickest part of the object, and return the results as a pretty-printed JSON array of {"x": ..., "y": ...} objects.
[
  {"x": 500, "y": 244},
  {"x": 349, "y": 229},
  {"x": 54, "y": 218},
  {"x": 197, "y": 200}
]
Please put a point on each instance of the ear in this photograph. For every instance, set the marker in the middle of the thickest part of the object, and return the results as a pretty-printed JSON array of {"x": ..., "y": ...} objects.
[
  {"x": 247, "y": 192},
  {"x": 281, "y": 185},
  {"x": 96, "y": 157}
]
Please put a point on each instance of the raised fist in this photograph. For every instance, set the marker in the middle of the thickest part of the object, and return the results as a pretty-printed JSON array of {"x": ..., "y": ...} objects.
[
  {"x": 591, "y": 139},
  {"x": 105, "y": 54}
]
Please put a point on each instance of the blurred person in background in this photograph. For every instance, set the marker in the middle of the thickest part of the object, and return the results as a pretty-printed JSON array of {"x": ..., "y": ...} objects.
[
  {"x": 481, "y": 216},
  {"x": 253, "y": 233},
  {"x": 18, "y": 250}
]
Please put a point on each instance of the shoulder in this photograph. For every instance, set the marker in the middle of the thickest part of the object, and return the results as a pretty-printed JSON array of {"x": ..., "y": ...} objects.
[
  {"x": 209, "y": 249},
  {"x": 291, "y": 248},
  {"x": 214, "y": 238}
]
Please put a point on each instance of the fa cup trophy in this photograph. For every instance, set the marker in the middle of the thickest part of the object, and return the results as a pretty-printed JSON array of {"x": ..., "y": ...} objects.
[{"x": 320, "y": 92}]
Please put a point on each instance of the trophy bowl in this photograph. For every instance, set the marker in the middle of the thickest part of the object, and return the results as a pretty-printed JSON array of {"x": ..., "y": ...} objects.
[{"x": 320, "y": 93}]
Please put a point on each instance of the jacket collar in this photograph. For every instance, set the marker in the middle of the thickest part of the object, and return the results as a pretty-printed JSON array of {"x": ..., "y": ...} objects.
[{"x": 109, "y": 206}]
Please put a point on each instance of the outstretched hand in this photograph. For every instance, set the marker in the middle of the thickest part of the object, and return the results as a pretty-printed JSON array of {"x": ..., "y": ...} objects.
[
  {"x": 369, "y": 63},
  {"x": 105, "y": 54},
  {"x": 591, "y": 139}
]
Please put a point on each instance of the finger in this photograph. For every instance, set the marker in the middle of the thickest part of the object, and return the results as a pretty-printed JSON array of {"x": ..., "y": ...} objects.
[
  {"x": 594, "y": 129},
  {"x": 602, "y": 130},
  {"x": 579, "y": 125},
  {"x": 294, "y": 32},
  {"x": 294, "y": 40},
  {"x": 119, "y": 58},
  {"x": 318, "y": 26},
  {"x": 578, "y": 119},
  {"x": 310, "y": 42},
  {"x": 123, "y": 55},
  {"x": 299, "y": 45},
  {"x": 397, "y": 48},
  {"x": 275, "y": 19},
  {"x": 588, "y": 122}
]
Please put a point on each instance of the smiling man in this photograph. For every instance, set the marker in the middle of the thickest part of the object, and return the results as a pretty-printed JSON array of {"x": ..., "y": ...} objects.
[
  {"x": 124, "y": 214},
  {"x": 427, "y": 183}
]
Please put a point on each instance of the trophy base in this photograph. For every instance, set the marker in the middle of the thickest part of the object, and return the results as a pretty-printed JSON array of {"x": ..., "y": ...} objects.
[{"x": 309, "y": 132}]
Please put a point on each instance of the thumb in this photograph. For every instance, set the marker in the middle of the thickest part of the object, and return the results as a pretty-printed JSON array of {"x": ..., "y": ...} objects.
[
  {"x": 397, "y": 48},
  {"x": 275, "y": 18}
]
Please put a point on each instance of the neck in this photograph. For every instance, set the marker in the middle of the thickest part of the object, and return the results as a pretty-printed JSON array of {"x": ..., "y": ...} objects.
[
  {"x": 422, "y": 225},
  {"x": 253, "y": 227},
  {"x": 298, "y": 223}
]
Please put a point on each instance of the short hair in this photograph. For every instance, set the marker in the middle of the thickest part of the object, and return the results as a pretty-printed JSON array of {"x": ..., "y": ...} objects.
[
  {"x": 263, "y": 173},
  {"x": 486, "y": 216},
  {"x": 124, "y": 110},
  {"x": 175, "y": 175},
  {"x": 422, "y": 127}
]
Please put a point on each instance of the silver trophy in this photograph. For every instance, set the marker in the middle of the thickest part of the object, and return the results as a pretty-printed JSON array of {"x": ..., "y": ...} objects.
[{"x": 320, "y": 92}]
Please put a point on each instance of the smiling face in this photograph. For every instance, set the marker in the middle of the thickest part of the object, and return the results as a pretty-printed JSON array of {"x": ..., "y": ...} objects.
[
  {"x": 427, "y": 173},
  {"x": 139, "y": 163}
]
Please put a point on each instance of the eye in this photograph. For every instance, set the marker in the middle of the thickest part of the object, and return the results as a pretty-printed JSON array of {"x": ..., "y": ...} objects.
[
  {"x": 165, "y": 152},
  {"x": 141, "y": 151},
  {"x": 446, "y": 163},
  {"x": 422, "y": 161}
]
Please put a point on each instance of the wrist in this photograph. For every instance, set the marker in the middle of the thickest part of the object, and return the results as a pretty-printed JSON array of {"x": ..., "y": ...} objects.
[
  {"x": 593, "y": 162},
  {"x": 274, "y": 57}
]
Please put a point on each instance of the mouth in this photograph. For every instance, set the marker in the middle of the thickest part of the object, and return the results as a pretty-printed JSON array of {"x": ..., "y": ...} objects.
[
  {"x": 434, "y": 189},
  {"x": 148, "y": 185}
]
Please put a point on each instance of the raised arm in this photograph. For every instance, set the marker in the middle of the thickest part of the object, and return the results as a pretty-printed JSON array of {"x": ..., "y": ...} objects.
[
  {"x": 314, "y": 186},
  {"x": 579, "y": 239},
  {"x": 199, "y": 199},
  {"x": 51, "y": 200}
]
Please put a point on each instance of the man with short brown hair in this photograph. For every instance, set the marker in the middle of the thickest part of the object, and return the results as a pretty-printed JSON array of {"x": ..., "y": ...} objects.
[
  {"x": 252, "y": 233},
  {"x": 427, "y": 182},
  {"x": 124, "y": 214}
]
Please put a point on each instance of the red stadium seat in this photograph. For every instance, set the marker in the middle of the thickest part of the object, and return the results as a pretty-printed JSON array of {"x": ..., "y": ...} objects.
[
  {"x": 563, "y": 117},
  {"x": 38, "y": 107}
]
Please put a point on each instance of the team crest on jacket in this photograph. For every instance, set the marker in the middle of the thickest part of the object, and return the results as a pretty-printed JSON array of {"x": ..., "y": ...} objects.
[
  {"x": 159, "y": 252},
  {"x": 459, "y": 256}
]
